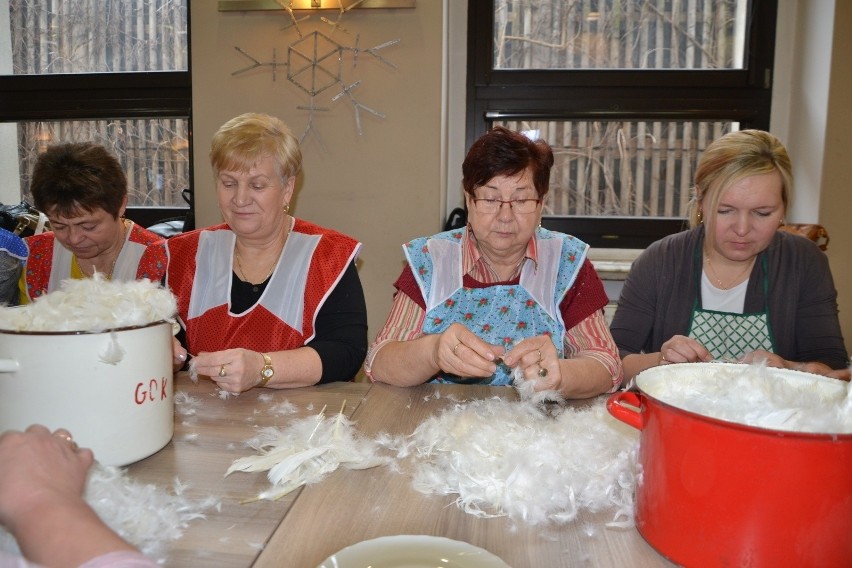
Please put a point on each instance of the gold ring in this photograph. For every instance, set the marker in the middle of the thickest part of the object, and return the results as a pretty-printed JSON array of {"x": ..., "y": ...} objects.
[
  {"x": 222, "y": 371},
  {"x": 68, "y": 439},
  {"x": 539, "y": 356},
  {"x": 542, "y": 372},
  {"x": 456, "y": 349}
]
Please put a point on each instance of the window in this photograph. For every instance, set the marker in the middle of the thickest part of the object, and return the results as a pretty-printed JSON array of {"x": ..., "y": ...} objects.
[
  {"x": 115, "y": 72},
  {"x": 627, "y": 92}
]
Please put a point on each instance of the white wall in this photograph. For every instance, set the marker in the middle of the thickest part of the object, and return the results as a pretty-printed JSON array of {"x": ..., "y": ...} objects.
[
  {"x": 835, "y": 201},
  {"x": 384, "y": 187},
  {"x": 811, "y": 115},
  {"x": 800, "y": 95},
  {"x": 10, "y": 172}
]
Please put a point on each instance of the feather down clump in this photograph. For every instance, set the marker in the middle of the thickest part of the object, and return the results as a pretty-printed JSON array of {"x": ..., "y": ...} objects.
[
  {"x": 756, "y": 396},
  {"x": 145, "y": 515},
  {"x": 306, "y": 452},
  {"x": 93, "y": 304},
  {"x": 528, "y": 391},
  {"x": 505, "y": 458}
]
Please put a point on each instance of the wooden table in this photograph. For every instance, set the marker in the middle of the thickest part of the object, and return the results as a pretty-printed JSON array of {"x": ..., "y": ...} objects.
[
  {"x": 204, "y": 446},
  {"x": 310, "y": 524}
]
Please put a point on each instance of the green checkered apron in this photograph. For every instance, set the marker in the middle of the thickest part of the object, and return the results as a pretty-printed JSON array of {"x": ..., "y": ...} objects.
[{"x": 728, "y": 336}]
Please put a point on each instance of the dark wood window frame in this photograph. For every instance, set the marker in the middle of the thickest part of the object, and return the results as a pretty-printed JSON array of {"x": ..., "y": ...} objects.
[
  {"x": 742, "y": 95},
  {"x": 103, "y": 96}
]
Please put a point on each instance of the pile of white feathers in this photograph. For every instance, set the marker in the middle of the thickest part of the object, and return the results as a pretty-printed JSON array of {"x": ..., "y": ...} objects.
[
  {"x": 93, "y": 304},
  {"x": 528, "y": 460},
  {"x": 755, "y": 395},
  {"x": 143, "y": 514},
  {"x": 307, "y": 451},
  {"x": 506, "y": 458}
]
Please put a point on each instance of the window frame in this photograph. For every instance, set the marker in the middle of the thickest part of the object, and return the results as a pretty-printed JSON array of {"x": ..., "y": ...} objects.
[
  {"x": 105, "y": 96},
  {"x": 737, "y": 95}
]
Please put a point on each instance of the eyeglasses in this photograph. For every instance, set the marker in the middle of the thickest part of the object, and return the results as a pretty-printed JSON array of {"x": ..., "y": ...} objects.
[{"x": 491, "y": 206}]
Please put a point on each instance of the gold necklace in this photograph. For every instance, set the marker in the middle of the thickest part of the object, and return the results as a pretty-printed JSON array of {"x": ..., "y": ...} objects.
[
  {"x": 242, "y": 274},
  {"x": 736, "y": 279}
]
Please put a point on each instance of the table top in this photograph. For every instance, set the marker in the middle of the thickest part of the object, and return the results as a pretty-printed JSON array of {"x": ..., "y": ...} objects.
[
  {"x": 349, "y": 506},
  {"x": 204, "y": 445}
]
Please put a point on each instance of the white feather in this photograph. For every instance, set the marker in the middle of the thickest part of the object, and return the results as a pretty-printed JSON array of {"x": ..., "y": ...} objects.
[
  {"x": 93, "y": 304},
  {"x": 145, "y": 515},
  {"x": 755, "y": 395},
  {"x": 504, "y": 458},
  {"x": 306, "y": 451},
  {"x": 528, "y": 391},
  {"x": 113, "y": 353}
]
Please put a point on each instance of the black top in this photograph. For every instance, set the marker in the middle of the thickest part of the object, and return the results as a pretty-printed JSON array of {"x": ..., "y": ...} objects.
[{"x": 340, "y": 337}]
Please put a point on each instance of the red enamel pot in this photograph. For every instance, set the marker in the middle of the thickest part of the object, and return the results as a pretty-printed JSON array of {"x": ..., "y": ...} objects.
[{"x": 719, "y": 493}]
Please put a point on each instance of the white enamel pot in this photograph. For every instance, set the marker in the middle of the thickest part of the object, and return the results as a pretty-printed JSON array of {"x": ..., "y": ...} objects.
[{"x": 112, "y": 390}]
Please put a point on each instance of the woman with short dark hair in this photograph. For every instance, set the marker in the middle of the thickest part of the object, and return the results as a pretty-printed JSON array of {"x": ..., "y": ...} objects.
[{"x": 82, "y": 190}]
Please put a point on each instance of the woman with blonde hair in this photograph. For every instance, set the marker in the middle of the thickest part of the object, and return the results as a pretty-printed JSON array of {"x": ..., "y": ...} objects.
[
  {"x": 733, "y": 287},
  {"x": 266, "y": 299}
]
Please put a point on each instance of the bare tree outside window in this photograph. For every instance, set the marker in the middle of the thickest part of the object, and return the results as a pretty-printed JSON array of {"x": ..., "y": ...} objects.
[
  {"x": 154, "y": 154},
  {"x": 619, "y": 34},
  {"x": 634, "y": 168},
  {"x": 621, "y": 168},
  {"x": 108, "y": 36}
]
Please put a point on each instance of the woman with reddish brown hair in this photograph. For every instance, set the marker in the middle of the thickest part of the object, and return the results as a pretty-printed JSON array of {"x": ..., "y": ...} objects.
[{"x": 501, "y": 296}]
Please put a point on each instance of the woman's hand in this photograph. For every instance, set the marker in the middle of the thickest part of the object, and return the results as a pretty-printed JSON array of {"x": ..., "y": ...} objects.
[
  {"x": 40, "y": 471},
  {"x": 773, "y": 360},
  {"x": 576, "y": 377},
  {"x": 813, "y": 367},
  {"x": 234, "y": 370},
  {"x": 42, "y": 479},
  {"x": 678, "y": 349},
  {"x": 538, "y": 359},
  {"x": 460, "y": 352},
  {"x": 841, "y": 374},
  {"x": 682, "y": 349},
  {"x": 179, "y": 354}
]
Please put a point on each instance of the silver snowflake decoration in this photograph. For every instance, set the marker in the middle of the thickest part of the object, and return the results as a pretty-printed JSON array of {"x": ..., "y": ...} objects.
[{"x": 314, "y": 65}]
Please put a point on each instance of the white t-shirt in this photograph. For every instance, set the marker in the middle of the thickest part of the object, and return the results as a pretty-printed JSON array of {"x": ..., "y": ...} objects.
[{"x": 716, "y": 299}]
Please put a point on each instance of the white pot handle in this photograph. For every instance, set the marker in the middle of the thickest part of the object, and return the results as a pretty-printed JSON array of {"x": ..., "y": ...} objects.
[{"x": 9, "y": 366}]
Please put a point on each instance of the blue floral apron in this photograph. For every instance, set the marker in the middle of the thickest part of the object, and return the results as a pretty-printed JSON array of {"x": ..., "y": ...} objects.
[{"x": 501, "y": 314}]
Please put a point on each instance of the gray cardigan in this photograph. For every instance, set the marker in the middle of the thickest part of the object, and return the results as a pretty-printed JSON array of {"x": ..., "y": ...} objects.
[{"x": 659, "y": 293}]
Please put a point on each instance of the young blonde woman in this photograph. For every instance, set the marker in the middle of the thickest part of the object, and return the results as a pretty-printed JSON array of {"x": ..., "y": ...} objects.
[{"x": 733, "y": 287}]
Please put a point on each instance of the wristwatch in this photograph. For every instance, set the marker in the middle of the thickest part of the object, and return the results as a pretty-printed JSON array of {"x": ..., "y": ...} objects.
[{"x": 267, "y": 371}]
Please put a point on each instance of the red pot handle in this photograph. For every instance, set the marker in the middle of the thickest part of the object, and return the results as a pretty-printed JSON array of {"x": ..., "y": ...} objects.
[{"x": 629, "y": 415}]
